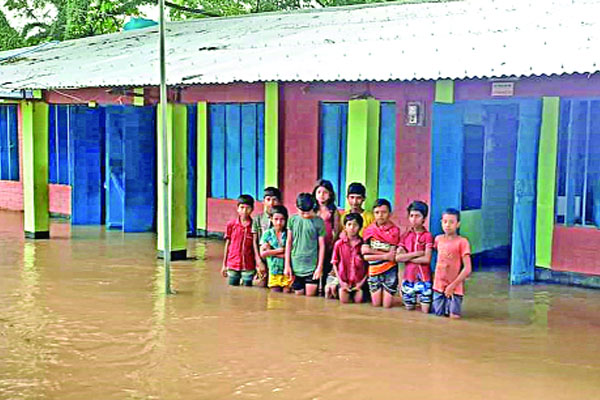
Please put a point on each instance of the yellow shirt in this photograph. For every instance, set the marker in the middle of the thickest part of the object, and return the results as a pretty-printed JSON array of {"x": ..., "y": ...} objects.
[{"x": 368, "y": 219}]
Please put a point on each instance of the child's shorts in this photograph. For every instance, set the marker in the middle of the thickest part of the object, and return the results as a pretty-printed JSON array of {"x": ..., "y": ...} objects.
[
  {"x": 300, "y": 282},
  {"x": 444, "y": 306},
  {"x": 413, "y": 292},
  {"x": 279, "y": 280},
  {"x": 235, "y": 277},
  {"x": 332, "y": 282},
  {"x": 387, "y": 281}
]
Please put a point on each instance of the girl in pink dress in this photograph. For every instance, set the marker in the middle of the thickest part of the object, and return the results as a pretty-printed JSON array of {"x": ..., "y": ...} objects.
[{"x": 327, "y": 210}]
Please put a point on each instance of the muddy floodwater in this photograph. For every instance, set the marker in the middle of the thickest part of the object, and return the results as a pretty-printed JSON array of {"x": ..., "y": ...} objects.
[{"x": 83, "y": 316}]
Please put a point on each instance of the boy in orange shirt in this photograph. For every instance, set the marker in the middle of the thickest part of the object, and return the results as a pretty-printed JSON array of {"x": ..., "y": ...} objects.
[{"x": 452, "y": 268}]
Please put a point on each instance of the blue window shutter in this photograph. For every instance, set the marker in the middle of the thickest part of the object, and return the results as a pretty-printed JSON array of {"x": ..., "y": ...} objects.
[
  {"x": 217, "y": 150},
  {"x": 233, "y": 148},
  {"x": 334, "y": 133},
  {"x": 249, "y": 149},
  {"x": 260, "y": 160},
  {"x": 387, "y": 151}
]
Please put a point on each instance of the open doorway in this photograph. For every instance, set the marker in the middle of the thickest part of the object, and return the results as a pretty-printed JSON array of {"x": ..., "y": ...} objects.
[{"x": 484, "y": 162}]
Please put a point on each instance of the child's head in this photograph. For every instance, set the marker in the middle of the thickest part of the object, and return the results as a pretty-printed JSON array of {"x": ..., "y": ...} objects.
[
  {"x": 279, "y": 216},
  {"x": 382, "y": 211},
  {"x": 353, "y": 222},
  {"x": 305, "y": 203},
  {"x": 417, "y": 213},
  {"x": 272, "y": 197},
  {"x": 245, "y": 205},
  {"x": 450, "y": 221},
  {"x": 356, "y": 195},
  {"x": 324, "y": 193}
]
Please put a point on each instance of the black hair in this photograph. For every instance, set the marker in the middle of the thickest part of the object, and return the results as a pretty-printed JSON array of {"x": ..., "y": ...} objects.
[
  {"x": 329, "y": 186},
  {"x": 419, "y": 206},
  {"x": 273, "y": 192},
  {"x": 246, "y": 199},
  {"x": 452, "y": 211},
  {"x": 357, "y": 188},
  {"x": 382, "y": 202},
  {"x": 305, "y": 202},
  {"x": 279, "y": 210},
  {"x": 354, "y": 217}
]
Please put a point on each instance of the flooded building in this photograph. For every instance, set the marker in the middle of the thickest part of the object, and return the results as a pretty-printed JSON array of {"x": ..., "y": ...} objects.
[{"x": 481, "y": 106}]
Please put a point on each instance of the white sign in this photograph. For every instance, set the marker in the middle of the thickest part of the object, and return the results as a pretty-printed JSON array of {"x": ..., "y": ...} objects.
[{"x": 503, "y": 89}]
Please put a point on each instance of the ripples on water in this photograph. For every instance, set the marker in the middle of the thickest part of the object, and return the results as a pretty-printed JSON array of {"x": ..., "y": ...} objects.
[{"x": 84, "y": 315}]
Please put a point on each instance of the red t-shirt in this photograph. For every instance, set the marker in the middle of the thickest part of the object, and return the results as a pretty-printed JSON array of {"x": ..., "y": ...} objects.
[
  {"x": 240, "y": 254},
  {"x": 347, "y": 258},
  {"x": 450, "y": 253},
  {"x": 413, "y": 241}
]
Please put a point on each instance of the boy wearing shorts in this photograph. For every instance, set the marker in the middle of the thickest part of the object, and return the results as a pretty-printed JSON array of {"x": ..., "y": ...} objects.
[
  {"x": 415, "y": 250},
  {"x": 239, "y": 258},
  {"x": 452, "y": 268},
  {"x": 348, "y": 264},
  {"x": 305, "y": 247},
  {"x": 379, "y": 250}
]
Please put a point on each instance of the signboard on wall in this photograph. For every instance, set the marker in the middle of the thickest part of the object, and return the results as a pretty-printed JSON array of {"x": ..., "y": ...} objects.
[{"x": 503, "y": 89}]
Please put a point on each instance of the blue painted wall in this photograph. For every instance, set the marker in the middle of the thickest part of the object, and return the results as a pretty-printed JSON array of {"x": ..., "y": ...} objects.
[{"x": 387, "y": 152}]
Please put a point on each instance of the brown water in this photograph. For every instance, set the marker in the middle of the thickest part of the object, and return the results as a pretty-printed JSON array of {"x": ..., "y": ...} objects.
[{"x": 83, "y": 316}]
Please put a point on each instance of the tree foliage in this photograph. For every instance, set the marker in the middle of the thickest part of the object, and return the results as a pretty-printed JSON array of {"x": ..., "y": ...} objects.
[{"x": 70, "y": 19}]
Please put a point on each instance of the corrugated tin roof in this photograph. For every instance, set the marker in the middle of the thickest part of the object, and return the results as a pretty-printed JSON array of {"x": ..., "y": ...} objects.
[{"x": 388, "y": 41}]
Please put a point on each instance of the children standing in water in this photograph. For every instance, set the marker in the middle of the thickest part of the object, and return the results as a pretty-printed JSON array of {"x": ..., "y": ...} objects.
[
  {"x": 415, "y": 250},
  {"x": 348, "y": 264},
  {"x": 326, "y": 209},
  {"x": 452, "y": 268},
  {"x": 272, "y": 249},
  {"x": 381, "y": 239},
  {"x": 260, "y": 223},
  {"x": 239, "y": 258},
  {"x": 305, "y": 247}
]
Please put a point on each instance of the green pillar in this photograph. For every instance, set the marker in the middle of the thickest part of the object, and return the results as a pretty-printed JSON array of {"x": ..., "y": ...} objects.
[
  {"x": 35, "y": 169},
  {"x": 271, "y": 134},
  {"x": 444, "y": 91},
  {"x": 177, "y": 171},
  {"x": 363, "y": 146},
  {"x": 546, "y": 182},
  {"x": 202, "y": 166}
]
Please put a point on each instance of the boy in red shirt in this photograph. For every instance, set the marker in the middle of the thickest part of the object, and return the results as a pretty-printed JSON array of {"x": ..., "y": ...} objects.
[
  {"x": 347, "y": 261},
  {"x": 239, "y": 262},
  {"x": 452, "y": 268},
  {"x": 415, "y": 250},
  {"x": 379, "y": 250}
]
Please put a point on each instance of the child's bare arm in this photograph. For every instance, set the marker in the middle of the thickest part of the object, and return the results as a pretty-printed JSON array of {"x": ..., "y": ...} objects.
[
  {"x": 257, "y": 256},
  {"x": 425, "y": 258},
  {"x": 380, "y": 255},
  {"x": 319, "y": 270},
  {"x": 464, "y": 273},
  {"x": 403, "y": 256},
  {"x": 288, "y": 254},
  {"x": 224, "y": 267}
]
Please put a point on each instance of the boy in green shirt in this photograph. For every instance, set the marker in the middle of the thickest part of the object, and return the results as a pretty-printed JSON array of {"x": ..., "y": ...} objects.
[{"x": 305, "y": 247}]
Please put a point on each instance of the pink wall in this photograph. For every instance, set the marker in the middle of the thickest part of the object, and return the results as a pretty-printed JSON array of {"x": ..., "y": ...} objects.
[{"x": 575, "y": 249}]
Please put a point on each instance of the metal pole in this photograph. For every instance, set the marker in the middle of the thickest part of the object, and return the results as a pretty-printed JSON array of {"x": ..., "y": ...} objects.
[{"x": 165, "y": 151}]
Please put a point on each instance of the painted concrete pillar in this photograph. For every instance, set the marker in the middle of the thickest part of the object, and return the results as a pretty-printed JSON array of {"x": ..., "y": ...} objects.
[
  {"x": 444, "y": 91},
  {"x": 546, "y": 181},
  {"x": 35, "y": 169},
  {"x": 202, "y": 166},
  {"x": 363, "y": 146},
  {"x": 177, "y": 173},
  {"x": 271, "y": 134}
]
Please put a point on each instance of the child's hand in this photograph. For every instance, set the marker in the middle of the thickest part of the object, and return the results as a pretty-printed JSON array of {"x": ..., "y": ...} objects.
[
  {"x": 260, "y": 267},
  {"x": 344, "y": 286},
  {"x": 265, "y": 247},
  {"x": 449, "y": 291},
  {"x": 391, "y": 255},
  {"x": 317, "y": 274},
  {"x": 224, "y": 271},
  {"x": 287, "y": 271}
]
